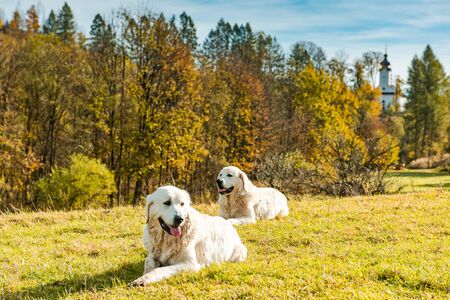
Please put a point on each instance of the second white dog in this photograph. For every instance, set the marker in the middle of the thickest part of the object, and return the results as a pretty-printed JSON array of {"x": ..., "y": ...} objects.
[
  {"x": 179, "y": 238},
  {"x": 241, "y": 202}
]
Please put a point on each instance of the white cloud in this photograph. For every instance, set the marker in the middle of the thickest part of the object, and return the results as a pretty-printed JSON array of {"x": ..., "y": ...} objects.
[{"x": 354, "y": 26}]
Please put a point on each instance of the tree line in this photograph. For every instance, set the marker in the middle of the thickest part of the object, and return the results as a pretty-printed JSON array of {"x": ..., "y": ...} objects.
[{"x": 144, "y": 97}]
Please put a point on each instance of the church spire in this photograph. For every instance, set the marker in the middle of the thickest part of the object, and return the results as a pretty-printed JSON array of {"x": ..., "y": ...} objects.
[
  {"x": 385, "y": 63},
  {"x": 387, "y": 90}
]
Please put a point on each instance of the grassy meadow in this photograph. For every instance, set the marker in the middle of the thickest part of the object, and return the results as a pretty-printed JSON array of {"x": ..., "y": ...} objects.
[
  {"x": 419, "y": 180},
  {"x": 377, "y": 247}
]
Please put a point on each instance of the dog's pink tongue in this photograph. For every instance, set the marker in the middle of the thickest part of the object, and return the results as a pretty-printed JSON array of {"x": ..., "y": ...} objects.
[{"x": 175, "y": 231}]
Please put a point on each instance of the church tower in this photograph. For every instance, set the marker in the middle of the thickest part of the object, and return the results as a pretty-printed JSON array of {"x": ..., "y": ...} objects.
[{"x": 387, "y": 90}]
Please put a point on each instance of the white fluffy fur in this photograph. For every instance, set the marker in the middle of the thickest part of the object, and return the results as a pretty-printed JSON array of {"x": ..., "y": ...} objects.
[
  {"x": 204, "y": 239},
  {"x": 247, "y": 203}
]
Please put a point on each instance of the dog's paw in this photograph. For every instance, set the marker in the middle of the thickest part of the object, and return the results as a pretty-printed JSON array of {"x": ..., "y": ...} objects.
[
  {"x": 141, "y": 281},
  {"x": 147, "y": 278}
]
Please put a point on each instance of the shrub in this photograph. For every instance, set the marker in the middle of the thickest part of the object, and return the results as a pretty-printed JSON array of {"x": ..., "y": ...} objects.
[
  {"x": 85, "y": 183},
  {"x": 430, "y": 162},
  {"x": 281, "y": 171},
  {"x": 353, "y": 167},
  {"x": 343, "y": 167}
]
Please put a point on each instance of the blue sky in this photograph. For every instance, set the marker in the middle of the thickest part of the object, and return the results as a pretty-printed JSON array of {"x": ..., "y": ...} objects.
[{"x": 406, "y": 27}]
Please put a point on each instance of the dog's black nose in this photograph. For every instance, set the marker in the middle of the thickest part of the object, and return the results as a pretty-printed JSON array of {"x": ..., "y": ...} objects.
[
  {"x": 177, "y": 220},
  {"x": 219, "y": 183}
]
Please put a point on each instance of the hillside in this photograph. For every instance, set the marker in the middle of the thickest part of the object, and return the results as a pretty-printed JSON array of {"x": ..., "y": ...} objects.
[{"x": 361, "y": 247}]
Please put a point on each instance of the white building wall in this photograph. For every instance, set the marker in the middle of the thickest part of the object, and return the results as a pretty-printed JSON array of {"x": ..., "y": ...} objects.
[
  {"x": 387, "y": 100},
  {"x": 387, "y": 90},
  {"x": 384, "y": 78}
]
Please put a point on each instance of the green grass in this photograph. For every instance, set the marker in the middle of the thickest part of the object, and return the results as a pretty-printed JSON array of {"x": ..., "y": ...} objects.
[
  {"x": 380, "y": 247},
  {"x": 419, "y": 180}
]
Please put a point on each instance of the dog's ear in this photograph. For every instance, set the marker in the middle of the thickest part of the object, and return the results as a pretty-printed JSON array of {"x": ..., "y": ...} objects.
[
  {"x": 148, "y": 204},
  {"x": 187, "y": 197},
  {"x": 245, "y": 181}
]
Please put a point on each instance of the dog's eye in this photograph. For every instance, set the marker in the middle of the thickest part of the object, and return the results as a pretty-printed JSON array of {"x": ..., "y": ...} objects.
[
  {"x": 167, "y": 203},
  {"x": 229, "y": 175},
  {"x": 182, "y": 203}
]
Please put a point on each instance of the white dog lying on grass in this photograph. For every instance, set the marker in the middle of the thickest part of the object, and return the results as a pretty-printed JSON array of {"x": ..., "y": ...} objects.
[
  {"x": 179, "y": 238},
  {"x": 241, "y": 202}
]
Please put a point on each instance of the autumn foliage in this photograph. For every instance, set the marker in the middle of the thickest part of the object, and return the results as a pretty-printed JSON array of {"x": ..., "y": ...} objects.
[{"x": 143, "y": 98}]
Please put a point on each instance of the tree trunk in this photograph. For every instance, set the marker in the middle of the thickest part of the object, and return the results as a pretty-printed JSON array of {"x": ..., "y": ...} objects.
[{"x": 137, "y": 191}]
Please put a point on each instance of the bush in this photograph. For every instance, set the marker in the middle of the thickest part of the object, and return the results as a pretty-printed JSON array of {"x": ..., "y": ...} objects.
[
  {"x": 351, "y": 167},
  {"x": 431, "y": 162},
  {"x": 344, "y": 167},
  {"x": 85, "y": 183},
  {"x": 281, "y": 171}
]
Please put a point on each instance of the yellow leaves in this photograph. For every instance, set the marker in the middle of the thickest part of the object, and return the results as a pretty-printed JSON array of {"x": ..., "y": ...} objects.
[
  {"x": 374, "y": 108},
  {"x": 369, "y": 98},
  {"x": 165, "y": 87},
  {"x": 326, "y": 102},
  {"x": 331, "y": 111}
]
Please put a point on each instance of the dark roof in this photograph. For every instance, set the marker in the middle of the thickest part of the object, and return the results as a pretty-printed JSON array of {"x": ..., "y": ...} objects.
[{"x": 385, "y": 63}]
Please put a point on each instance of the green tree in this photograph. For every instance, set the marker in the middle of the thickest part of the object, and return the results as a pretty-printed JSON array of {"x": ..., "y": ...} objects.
[
  {"x": 66, "y": 24},
  {"x": 85, "y": 183},
  {"x": 98, "y": 30},
  {"x": 413, "y": 107},
  {"x": 426, "y": 113},
  {"x": 188, "y": 31},
  {"x": 243, "y": 45},
  {"x": 436, "y": 104},
  {"x": 217, "y": 45},
  {"x": 304, "y": 54},
  {"x": 270, "y": 55},
  {"x": 51, "y": 25}
]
